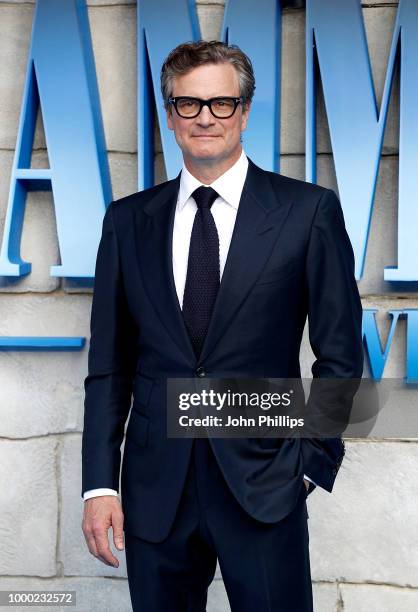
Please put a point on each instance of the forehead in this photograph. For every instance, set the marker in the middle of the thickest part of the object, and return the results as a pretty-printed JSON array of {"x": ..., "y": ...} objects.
[{"x": 208, "y": 81}]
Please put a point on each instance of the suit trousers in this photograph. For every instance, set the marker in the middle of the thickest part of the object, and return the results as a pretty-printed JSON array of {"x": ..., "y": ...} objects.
[{"x": 265, "y": 566}]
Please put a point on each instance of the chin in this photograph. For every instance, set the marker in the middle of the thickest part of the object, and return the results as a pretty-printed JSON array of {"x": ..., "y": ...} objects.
[{"x": 206, "y": 153}]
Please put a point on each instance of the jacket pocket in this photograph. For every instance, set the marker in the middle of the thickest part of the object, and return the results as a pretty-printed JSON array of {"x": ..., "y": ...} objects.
[
  {"x": 138, "y": 428},
  {"x": 142, "y": 389},
  {"x": 276, "y": 274}
]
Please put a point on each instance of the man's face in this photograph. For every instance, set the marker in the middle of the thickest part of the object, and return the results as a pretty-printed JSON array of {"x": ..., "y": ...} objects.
[{"x": 206, "y": 139}]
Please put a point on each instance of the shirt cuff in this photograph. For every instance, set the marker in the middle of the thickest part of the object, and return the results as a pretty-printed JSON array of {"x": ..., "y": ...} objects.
[
  {"x": 310, "y": 479},
  {"x": 98, "y": 493}
]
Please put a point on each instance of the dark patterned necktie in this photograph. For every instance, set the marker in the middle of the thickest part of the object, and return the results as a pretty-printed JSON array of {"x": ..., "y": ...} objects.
[{"x": 202, "y": 279}]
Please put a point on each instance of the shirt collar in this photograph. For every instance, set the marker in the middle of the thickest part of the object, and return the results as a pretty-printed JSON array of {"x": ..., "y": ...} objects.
[{"x": 229, "y": 185}]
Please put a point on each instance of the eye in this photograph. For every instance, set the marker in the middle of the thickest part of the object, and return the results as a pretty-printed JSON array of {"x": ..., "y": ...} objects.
[
  {"x": 224, "y": 103},
  {"x": 187, "y": 103}
]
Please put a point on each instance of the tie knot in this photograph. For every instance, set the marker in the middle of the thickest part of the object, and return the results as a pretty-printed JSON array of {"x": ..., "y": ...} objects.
[{"x": 204, "y": 196}]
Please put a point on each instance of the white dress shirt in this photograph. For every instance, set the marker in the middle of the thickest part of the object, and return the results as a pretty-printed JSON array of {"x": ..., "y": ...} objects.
[{"x": 224, "y": 210}]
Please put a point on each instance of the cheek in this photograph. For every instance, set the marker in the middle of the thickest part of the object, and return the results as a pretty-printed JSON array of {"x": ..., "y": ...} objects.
[
  {"x": 181, "y": 134},
  {"x": 234, "y": 131},
  {"x": 181, "y": 131}
]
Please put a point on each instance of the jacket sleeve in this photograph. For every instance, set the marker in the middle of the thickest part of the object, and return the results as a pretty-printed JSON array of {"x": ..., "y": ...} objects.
[
  {"x": 111, "y": 366},
  {"x": 335, "y": 324}
]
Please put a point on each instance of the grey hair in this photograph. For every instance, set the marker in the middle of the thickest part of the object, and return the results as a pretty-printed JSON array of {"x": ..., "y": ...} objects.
[{"x": 189, "y": 55}]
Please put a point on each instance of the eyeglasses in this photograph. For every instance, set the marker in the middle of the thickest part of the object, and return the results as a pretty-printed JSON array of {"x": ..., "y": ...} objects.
[{"x": 189, "y": 108}]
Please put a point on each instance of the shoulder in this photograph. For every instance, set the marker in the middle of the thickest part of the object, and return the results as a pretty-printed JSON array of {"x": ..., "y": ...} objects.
[
  {"x": 138, "y": 199},
  {"x": 123, "y": 211},
  {"x": 311, "y": 199},
  {"x": 297, "y": 188},
  {"x": 288, "y": 186}
]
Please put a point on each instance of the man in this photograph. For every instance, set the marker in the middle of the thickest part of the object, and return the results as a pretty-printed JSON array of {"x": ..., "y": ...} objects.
[{"x": 160, "y": 310}]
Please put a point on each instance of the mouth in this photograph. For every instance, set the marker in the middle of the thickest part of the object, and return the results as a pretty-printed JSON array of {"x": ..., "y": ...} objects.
[{"x": 205, "y": 136}]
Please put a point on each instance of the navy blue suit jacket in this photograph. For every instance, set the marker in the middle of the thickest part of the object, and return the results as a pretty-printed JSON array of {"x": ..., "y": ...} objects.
[{"x": 290, "y": 257}]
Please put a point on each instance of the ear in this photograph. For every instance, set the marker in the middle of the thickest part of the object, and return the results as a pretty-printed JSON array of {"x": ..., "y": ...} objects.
[
  {"x": 169, "y": 115},
  {"x": 245, "y": 116}
]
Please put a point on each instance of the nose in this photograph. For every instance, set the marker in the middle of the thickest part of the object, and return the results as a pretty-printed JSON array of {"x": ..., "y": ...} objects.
[{"x": 205, "y": 117}]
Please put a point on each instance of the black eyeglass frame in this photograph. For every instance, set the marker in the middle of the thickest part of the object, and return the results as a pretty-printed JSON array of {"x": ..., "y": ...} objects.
[{"x": 207, "y": 103}]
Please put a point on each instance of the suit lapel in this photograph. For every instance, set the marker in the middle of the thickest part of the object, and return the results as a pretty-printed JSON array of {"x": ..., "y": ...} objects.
[
  {"x": 260, "y": 217},
  {"x": 154, "y": 232}
]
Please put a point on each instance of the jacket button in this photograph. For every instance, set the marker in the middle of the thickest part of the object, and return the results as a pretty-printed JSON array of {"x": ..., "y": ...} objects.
[
  {"x": 200, "y": 372},
  {"x": 334, "y": 471}
]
